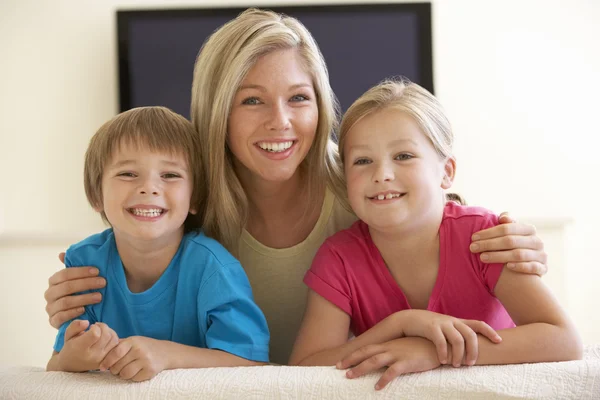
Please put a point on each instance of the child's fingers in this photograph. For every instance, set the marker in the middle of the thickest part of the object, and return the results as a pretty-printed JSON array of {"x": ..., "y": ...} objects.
[
  {"x": 441, "y": 346},
  {"x": 104, "y": 338},
  {"x": 130, "y": 370},
  {"x": 113, "y": 342},
  {"x": 359, "y": 356},
  {"x": 117, "y": 358},
  {"x": 531, "y": 267},
  {"x": 143, "y": 375},
  {"x": 371, "y": 364},
  {"x": 393, "y": 371},
  {"x": 457, "y": 342},
  {"x": 505, "y": 218},
  {"x": 484, "y": 329},
  {"x": 471, "y": 343},
  {"x": 75, "y": 328}
]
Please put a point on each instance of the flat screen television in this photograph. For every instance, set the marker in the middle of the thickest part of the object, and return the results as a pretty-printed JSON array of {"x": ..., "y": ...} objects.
[{"x": 362, "y": 45}]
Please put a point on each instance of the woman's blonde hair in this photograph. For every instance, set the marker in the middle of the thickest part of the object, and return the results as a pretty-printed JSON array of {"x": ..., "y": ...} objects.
[
  {"x": 410, "y": 98},
  {"x": 223, "y": 62},
  {"x": 148, "y": 128}
]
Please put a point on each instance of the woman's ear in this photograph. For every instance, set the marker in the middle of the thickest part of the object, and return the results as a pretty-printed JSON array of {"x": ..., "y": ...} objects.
[{"x": 449, "y": 171}]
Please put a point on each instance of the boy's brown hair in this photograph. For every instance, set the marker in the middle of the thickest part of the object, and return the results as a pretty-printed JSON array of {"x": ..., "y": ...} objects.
[{"x": 154, "y": 129}]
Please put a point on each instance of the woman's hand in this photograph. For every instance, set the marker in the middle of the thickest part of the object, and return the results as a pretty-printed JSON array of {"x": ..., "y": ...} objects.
[
  {"x": 513, "y": 244},
  {"x": 400, "y": 356},
  {"x": 443, "y": 330},
  {"x": 61, "y": 306}
]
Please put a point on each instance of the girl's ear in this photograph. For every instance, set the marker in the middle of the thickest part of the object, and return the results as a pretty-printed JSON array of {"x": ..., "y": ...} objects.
[
  {"x": 449, "y": 171},
  {"x": 193, "y": 211}
]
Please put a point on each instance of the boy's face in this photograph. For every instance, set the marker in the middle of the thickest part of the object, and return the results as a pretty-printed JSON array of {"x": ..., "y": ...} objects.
[
  {"x": 395, "y": 177},
  {"x": 146, "y": 195}
]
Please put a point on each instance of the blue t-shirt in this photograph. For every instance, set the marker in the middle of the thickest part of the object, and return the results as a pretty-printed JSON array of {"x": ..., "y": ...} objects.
[{"x": 202, "y": 299}]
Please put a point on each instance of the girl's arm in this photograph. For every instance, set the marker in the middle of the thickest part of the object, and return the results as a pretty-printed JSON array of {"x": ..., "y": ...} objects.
[
  {"x": 544, "y": 332},
  {"x": 323, "y": 336}
]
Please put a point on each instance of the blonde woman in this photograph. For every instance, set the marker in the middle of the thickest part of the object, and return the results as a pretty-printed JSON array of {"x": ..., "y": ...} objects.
[{"x": 263, "y": 106}]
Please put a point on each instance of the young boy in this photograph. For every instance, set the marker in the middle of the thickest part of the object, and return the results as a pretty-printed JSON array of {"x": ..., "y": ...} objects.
[{"x": 174, "y": 298}]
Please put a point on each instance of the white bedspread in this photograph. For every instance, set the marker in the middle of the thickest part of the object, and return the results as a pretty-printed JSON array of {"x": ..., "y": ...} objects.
[{"x": 567, "y": 380}]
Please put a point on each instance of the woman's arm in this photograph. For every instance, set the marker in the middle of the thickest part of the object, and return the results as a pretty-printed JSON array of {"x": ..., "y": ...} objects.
[
  {"x": 513, "y": 244},
  {"x": 61, "y": 305},
  {"x": 544, "y": 332}
]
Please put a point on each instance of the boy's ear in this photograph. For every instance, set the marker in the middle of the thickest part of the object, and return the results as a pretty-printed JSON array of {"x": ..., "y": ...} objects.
[{"x": 449, "y": 171}]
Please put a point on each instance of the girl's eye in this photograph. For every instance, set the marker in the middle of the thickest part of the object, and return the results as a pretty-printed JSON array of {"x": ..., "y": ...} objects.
[
  {"x": 403, "y": 157},
  {"x": 126, "y": 174},
  {"x": 362, "y": 161},
  {"x": 299, "y": 98},
  {"x": 171, "y": 175},
  {"x": 251, "y": 101}
]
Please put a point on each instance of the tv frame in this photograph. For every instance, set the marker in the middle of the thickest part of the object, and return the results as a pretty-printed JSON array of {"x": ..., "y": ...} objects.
[{"x": 423, "y": 11}]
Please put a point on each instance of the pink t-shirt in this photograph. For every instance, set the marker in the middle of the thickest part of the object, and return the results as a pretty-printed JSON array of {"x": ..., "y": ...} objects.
[{"x": 348, "y": 270}]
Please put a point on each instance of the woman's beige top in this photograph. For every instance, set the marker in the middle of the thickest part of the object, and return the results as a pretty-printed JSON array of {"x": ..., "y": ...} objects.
[{"x": 276, "y": 276}]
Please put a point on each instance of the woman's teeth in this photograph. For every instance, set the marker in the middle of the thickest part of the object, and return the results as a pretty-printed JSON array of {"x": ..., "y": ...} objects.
[
  {"x": 275, "y": 147},
  {"x": 153, "y": 212}
]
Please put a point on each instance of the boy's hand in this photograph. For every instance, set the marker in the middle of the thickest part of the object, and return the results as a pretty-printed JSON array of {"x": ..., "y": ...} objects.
[
  {"x": 400, "y": 356},
  {"x": 83, "y": 351},
  {"x": 442, "y": 329},
  {"x": 137, "y": 358}
]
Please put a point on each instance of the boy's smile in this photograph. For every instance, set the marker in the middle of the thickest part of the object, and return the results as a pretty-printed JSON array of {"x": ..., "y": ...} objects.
[{"x": 146, "y": 194}]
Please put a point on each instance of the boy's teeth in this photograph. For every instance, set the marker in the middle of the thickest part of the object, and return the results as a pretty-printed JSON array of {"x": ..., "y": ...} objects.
[
  {"x": 153, "y": 212},
  {"x": 275, "y": 147},
  {"x": 380, "y": 197},
  {"x": 387, "y": 196}
]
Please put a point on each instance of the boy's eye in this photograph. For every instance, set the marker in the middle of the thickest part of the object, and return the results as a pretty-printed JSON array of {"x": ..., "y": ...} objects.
[
  {"x": 171, "y": 175},
  {"x": 251, "y": 101},
  {"x": 403, "y": 157},
  {"x": 362, "y": 161}
]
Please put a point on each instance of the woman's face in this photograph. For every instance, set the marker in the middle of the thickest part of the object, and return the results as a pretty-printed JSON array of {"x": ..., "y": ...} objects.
[{"x": 273, "y": 118}]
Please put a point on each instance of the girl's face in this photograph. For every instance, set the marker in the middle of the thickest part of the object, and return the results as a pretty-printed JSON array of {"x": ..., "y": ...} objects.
[
  {"x": 394, "y": 175},
  {"x": 273, "y": 118}
]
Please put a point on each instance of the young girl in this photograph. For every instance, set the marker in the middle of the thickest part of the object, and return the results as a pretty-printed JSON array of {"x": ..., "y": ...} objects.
[{"x": 402, "y": 278}]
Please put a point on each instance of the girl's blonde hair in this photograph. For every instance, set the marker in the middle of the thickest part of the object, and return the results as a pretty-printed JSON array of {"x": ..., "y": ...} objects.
[
  {"x": 407, "y": 97},
  {"x": 223, "y": 62},
  {"x": 156, "y": 129}
]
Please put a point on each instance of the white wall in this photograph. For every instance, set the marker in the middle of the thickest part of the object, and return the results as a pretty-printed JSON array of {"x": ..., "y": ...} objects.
[{"x": 519, "y": 80}]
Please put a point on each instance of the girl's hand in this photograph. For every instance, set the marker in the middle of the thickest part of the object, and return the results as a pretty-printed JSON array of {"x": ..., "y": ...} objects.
[
  {"x": 400, "y": 356},
  {"x": 442, "y": 329},
  {"x": 137, "y": 358},
  {"x": 61, "y": 306},
  {"x": 513, "y": 244}
]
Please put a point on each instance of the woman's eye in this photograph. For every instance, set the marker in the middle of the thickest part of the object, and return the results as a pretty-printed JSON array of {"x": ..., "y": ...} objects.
[
  {"x": 251, "y": 101},
  {"x": 299, "y": 98},
  {"x": 403, "y": 157},
  {"x": 362, "y": 161}
]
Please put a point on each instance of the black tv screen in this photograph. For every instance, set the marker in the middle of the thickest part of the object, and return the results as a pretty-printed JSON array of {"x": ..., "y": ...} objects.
[{"x": 362, "y": 44}]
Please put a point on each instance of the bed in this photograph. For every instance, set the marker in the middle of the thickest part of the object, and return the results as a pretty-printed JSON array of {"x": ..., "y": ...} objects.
[{"x": 566, "y": 380}]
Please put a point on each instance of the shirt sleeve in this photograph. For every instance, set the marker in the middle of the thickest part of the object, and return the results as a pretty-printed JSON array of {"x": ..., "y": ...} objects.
[
  {"x": 328, "y": 278},
  {"x": 228, "y": 316},
  {"x": 489, "y": 273}
]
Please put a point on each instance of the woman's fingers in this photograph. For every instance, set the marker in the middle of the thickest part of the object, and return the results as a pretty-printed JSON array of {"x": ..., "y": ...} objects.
[
  {"x": 509, "y": 242},
  {"x": 514, "y": 256},
  {"x": 63, "y": 316},
  {"x": 531, "y": 267},
  {"x": 509, "y": 229}
]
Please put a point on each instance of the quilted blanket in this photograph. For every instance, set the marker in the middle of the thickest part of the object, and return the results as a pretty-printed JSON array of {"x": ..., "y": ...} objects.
[{"x": 566, "y": 380}]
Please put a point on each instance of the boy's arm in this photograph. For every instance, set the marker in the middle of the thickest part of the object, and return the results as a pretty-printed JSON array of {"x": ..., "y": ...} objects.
[{"x": 544, "y": 332}]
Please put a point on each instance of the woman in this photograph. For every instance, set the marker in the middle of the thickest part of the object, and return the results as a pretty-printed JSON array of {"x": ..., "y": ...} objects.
[{"x": 262, "y": 103}]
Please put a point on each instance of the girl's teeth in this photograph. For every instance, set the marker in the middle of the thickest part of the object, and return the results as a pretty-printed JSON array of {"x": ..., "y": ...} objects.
[
  {"x": 380, "y": 197},
  {"x": 147, "y": 213}
]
